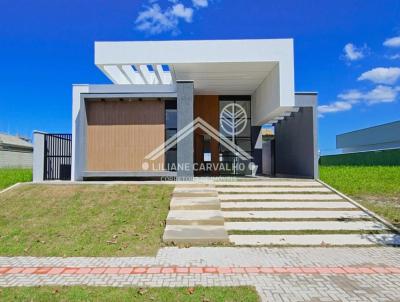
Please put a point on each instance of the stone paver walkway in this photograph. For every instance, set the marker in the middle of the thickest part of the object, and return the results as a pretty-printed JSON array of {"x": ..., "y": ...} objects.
[
  {"x": 284, "y": 274},
  {"x": 273, "y": 211},
  {"x": 270, "y": 211}
]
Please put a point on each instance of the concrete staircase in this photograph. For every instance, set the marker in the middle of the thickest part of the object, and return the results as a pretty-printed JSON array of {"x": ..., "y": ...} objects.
[
  {"x": 296, "y": 212},
  {"x": 195, "y": 216}
]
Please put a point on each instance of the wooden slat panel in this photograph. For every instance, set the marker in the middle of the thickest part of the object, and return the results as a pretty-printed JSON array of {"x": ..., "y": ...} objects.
[
  {"x": 207, "y": 108},
  {"x": 121, "y": 133}
]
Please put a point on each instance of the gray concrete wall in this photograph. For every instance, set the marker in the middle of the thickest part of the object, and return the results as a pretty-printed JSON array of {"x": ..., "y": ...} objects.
[
  {"x": 15, "y": 159},
  {"x": 295, "y": 144},
  {"x": 185, "y": 116},
  {"x": 268, "y": 161},
  {"x": 256, "y": 153},
  {"x": 38, "y": 156}
]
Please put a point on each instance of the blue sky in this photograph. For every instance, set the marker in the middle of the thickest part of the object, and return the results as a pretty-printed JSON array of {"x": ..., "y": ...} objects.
[{"x": 348, "y": 51}]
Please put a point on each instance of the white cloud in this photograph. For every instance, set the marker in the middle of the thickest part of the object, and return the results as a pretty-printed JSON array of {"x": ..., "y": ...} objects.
[
  {"x": 392, "y": 42},
  {"x": 351, "y": 95},
  {"x": 380, "y": 94},
  {"x": 155, "y": 20},
  {"x": 353, "y": 53},
  {"x": 381, "y": 75},
  {"x": 180, "y": 11},
  {"x": 334, "y": 107},
  {"x": 200, "y": 3},
  {"x": 394, "y": 57}
]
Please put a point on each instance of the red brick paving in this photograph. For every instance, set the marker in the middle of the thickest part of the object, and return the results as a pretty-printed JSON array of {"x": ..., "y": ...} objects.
[
  {"x": 182, "y": 270},
  {"x": 139, "y": 270},
  {"x": 198, "y": 270},
  {"x": 98, "y": 270},
  {"x": 195, "y": 270},
  {"x": 154, "y": 270}
]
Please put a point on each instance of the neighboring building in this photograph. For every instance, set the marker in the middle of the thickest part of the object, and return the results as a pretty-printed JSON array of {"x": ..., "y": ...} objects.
[
  {"x": 160, "y": 87},
  {"x": 15, "y": 152},
  {"x": 381, "y": 137}
]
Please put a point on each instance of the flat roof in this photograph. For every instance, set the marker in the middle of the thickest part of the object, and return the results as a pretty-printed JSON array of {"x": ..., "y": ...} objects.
[
  {"x": 372, "y": 127},
  {"x": 215, "y": 66},
  {"x": 375, "y": 135}
]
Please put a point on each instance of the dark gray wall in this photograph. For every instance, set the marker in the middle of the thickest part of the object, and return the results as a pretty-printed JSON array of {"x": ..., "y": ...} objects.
[
  {"x": 268, "y": 158},
  {"x": 294, "y": 144},
  {"x": 256, "y": 153},
  {"x": 185, "y": 117}
]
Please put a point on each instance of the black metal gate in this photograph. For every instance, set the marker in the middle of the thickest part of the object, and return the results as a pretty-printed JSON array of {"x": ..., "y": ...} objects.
[{"x": 57, "y": 156}]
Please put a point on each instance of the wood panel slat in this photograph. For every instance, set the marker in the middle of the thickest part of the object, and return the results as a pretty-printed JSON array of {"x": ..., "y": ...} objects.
[
  {"x": 207, "y": 108},
  {"x": 121, "y": 133}
]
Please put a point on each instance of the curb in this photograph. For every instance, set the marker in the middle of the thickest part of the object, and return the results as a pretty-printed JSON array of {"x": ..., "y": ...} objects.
[{"x": 11, "y": 187}]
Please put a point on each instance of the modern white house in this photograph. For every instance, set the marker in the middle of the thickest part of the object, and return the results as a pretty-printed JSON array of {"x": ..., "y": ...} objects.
[{"x": 169, "y": 104}]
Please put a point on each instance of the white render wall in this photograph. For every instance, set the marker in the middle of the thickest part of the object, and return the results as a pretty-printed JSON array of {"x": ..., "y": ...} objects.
[
  {"x": 263, "y": 68},
  {"x": 195, "y": 51},
  {"x": 266, "y": 99}
]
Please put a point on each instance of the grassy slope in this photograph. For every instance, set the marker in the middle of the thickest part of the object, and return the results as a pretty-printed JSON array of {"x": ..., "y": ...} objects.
[
  {"x": 9, "y": 177},
  {"x": 79, "y": 293},
  {"x": 83, "y": 220},
  {"x": 377, "y": 187}
]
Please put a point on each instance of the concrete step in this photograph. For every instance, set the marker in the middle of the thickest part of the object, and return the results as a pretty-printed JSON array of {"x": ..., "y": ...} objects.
[
  {"x": 299, "y": 196},
  {"x": 274, "y": 183},
  {"x": 195, "y": 203},
  {"x": 305, "y": 240},
  {"x": 272, "y": 189},
  {"x": 196, "y": 217},
  {"x": 287, "y": 205},
  {"x": 194, "y": 192},
  {"x": 304, "y": 225},
  {"x": 295, "y": 214},
  {"x": 202, "y": 234},
  {"x": 194, "y": 185}
]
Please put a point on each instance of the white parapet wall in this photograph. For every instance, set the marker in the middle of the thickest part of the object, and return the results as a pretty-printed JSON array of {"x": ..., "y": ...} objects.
[{"x": 262, "y": 68}]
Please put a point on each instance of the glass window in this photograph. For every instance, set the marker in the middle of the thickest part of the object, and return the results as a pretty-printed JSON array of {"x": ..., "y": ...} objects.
[
  {"x": 170, "y": 160},
  {"x": 245, "y": 105},
  {"x": 171, "y": 118},
  {"x": 235, "y": 124},
  {"x": 245, "y": 130},
  {"x": 223, "y": 104},
  {"x": 169, "y": 133},
  {"x": 244, "y": 144},
  {"x": 170, "y": 104}
]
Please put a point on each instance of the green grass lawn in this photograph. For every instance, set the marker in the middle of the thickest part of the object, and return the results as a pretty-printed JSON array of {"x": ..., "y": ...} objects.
[
  {"x": 83, "y": 220},
  {"x": 375, "y": 187},
  {"x": 9, "y": 177},
  {"x": 81, "y": 293}
]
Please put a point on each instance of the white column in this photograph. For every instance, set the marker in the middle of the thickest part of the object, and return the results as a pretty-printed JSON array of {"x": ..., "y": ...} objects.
[{"x": 38, "y": 156}]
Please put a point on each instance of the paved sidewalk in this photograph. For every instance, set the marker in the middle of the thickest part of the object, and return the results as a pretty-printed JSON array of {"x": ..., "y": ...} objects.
[{"x": 279, "y": 274}]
